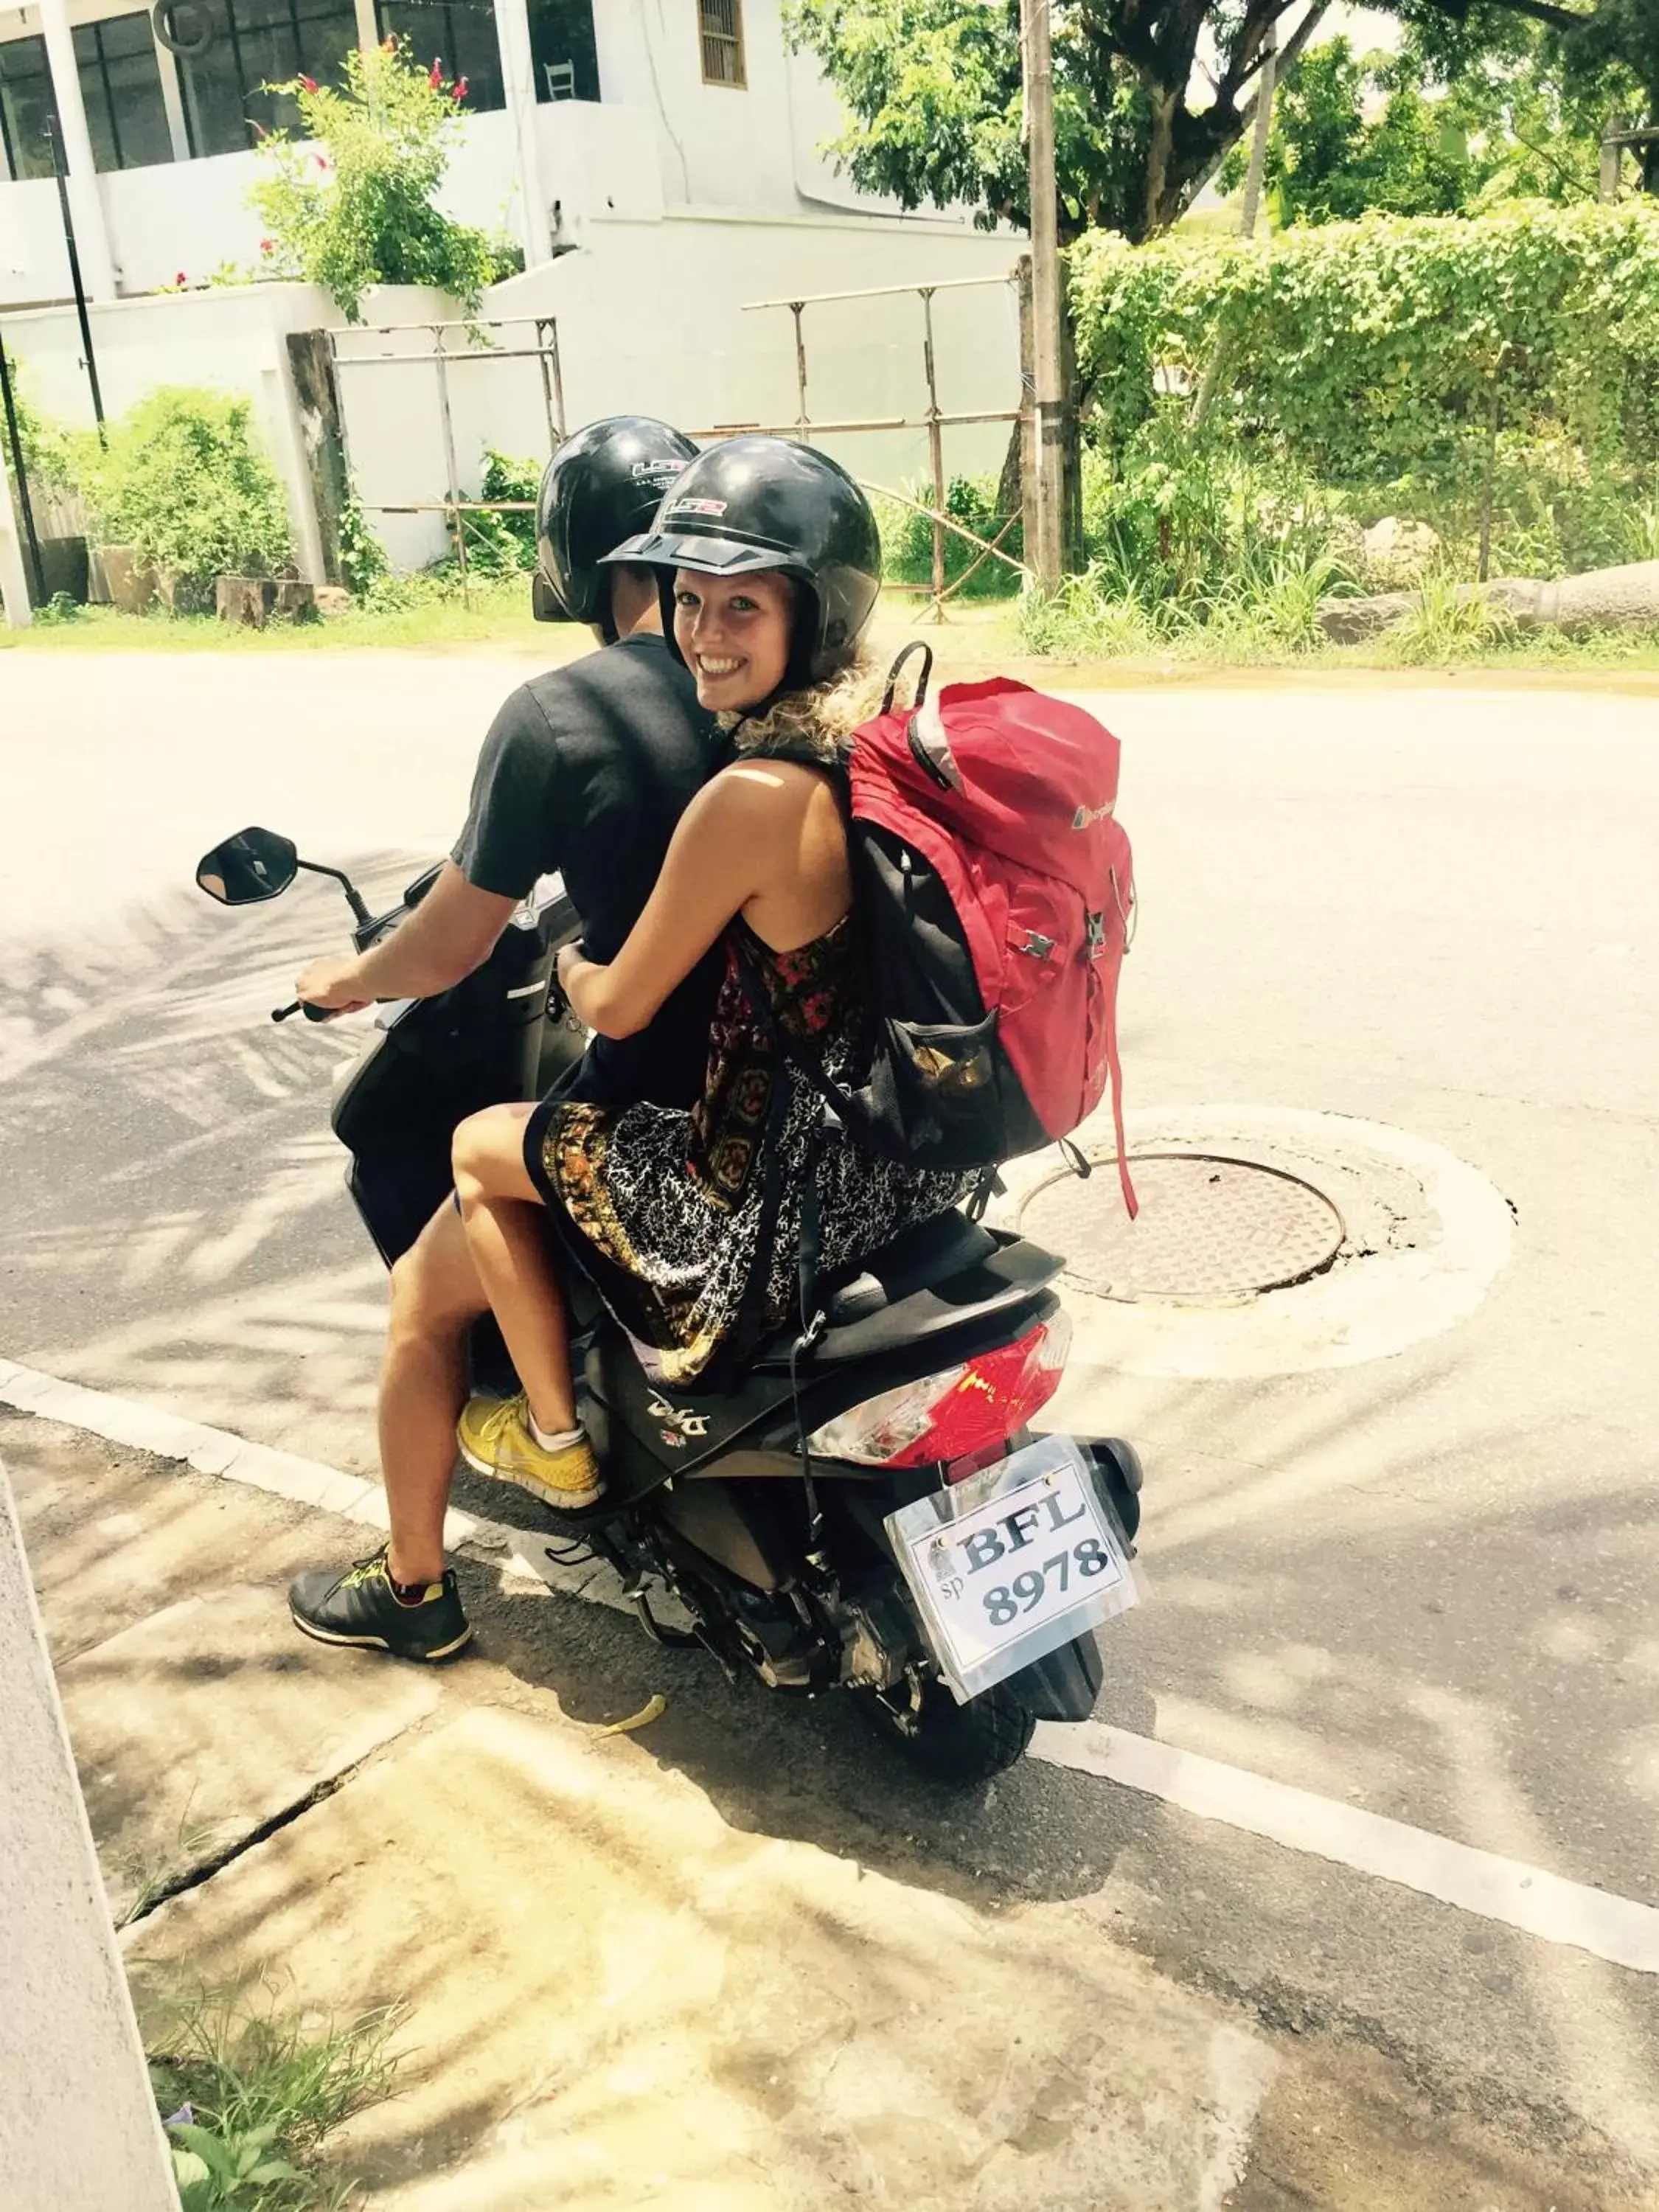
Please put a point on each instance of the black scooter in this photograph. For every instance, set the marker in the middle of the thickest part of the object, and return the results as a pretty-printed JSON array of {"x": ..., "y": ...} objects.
[{"x": 870, "y": 1512}]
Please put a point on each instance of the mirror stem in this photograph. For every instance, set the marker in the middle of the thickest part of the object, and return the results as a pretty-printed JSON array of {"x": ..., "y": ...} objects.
[{"x": 360, "y": 912}]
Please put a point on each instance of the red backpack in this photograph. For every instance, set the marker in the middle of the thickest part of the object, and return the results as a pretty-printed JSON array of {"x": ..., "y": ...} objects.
[{"x": 994, "y": 887}]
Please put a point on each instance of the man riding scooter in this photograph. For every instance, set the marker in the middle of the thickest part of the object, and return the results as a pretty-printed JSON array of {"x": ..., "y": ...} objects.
[{"x": 585, "y": 771}]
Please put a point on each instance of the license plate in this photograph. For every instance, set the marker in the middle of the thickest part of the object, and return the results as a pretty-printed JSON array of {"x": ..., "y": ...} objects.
[{"x": 1010, "y": 1565}]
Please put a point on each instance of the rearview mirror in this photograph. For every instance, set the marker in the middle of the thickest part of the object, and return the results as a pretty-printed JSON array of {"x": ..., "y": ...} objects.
[{"x": 255, "y": 864}]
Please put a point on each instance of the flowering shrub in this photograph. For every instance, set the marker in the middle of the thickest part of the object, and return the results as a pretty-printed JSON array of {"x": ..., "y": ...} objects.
[{"x": 351, "y": 203}]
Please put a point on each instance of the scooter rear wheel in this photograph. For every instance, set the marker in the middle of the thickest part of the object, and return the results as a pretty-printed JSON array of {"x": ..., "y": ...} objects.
[{"x": 957, "y": 1744}]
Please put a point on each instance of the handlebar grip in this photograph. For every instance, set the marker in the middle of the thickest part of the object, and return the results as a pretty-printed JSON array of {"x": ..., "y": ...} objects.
[{"x": 302, "y": 1006}]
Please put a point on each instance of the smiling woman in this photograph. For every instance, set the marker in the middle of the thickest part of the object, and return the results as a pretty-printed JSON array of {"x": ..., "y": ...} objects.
[
  {"x": 733, "y": 635},
  {"x": 691, "y": 1226}
]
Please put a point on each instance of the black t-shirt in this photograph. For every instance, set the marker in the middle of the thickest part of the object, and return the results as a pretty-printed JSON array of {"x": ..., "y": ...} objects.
[{"x": 586, "y": 770}]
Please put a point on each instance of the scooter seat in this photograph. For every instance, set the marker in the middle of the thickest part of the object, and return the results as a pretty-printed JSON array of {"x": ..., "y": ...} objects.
[
  {"x": 927, "y": 1254},
  {"x": 934, "y": 1278}
]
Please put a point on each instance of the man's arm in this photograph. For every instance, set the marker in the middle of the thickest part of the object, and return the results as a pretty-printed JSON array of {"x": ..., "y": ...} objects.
[{"x": 450, "y": 933}]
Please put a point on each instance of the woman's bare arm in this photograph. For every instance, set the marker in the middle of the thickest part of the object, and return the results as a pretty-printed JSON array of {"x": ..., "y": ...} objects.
[{"x": 730, "y": 841}]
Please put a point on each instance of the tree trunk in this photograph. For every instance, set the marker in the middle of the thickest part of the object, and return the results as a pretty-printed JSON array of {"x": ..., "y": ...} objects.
[
  {"x": 316, "y": 395},
  {"x": 1603, "y": 599}
]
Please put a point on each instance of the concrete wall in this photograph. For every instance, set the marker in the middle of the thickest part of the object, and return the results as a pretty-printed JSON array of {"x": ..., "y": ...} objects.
[
  {"x": 191, "y": 218},
  {"x": 78, "y": 2127},
  {"x": 232, "y": 340},
  {"x": 651, "y": 317},
  {"x": 756, "y": 150},
  {"x": 659, "y": 137}
]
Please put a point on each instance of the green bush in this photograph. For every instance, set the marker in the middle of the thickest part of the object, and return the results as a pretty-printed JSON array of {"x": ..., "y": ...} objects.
[
  {"x": 45, "y": 449},
  {"x": 503, "y": 544},
  {"x": 364, "y": 568},
  {"x": 1366, "y": 350},
  {"x": 361, "y": 210},
  {"x": 1286, "y": 393},
  {"x": 907, "y": 538},
  {"x": 183, "y": 483}
]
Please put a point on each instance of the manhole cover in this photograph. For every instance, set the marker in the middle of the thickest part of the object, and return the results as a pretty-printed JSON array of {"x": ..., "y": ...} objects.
[{"x": 1209, "y": 1228}]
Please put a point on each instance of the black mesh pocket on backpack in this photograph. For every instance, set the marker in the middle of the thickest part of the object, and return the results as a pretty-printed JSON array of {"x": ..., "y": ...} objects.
[{"x": 921, "y": 970}]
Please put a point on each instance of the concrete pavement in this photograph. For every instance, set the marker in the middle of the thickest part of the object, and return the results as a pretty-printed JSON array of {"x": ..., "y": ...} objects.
[
  {"x": 622, "y": 1982},
  {"x": 1424, "y": 1585}
]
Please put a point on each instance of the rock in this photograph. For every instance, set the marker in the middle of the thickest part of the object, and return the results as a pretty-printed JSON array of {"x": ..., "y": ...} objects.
[
  {"x": 127, "y": 585},
  {"x": 245, "y": 599},
  {"x": 331, "y": 600},
  {"x": 1602, "y": 598},
  {"x": 295, "y": 601},
  {"x": 1400, "y": 554},
  {"x": 1347, "y": 621},
  {"x": 185, "y": 595}
]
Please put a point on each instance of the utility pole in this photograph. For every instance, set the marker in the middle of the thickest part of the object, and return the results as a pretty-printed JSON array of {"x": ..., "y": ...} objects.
[
  {"x": 1613, "y": 148},
  {"x": 1047, "y": 554},
  {"x": 1264, "y": 123}
]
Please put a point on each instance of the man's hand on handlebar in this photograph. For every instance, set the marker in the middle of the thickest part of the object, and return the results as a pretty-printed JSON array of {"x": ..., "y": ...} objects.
[{"x": 334, "y": 983}]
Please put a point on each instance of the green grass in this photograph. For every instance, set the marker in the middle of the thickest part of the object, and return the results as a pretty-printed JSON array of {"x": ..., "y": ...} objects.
[
  {"x": 263, "y": 2096},
  {"x": 1266, "y": 625},
  {"x": 1270, "y": 622},
  {"x": 424, "y": 617}
]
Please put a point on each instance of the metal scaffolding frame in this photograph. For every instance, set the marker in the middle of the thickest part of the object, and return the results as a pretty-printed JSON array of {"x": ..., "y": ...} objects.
[
  {"x": 936, "y": 420},
  {"x": 454, "y": 508}
]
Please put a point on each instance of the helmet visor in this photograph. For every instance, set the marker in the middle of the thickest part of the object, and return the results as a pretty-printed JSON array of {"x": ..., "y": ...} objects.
[{"x": 703, "y": 556}]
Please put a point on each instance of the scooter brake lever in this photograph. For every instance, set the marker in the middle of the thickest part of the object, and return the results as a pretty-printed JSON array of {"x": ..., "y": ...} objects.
[{"x": 302, "y": 1006}]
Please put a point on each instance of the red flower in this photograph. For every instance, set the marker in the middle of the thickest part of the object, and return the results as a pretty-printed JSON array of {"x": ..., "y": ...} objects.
[
  {"x": 322, "y": 161},
  {"x": 308, "y": 84},
  {"x": 180, "y": 280},
  {"x": 266, "y": 246},
  {"x": 458, "y": 90},
  {"x": 435, "y": 75}
]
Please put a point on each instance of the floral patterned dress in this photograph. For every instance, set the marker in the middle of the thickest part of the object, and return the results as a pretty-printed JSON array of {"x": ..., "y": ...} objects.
[{"x": 688, "y": 1223}]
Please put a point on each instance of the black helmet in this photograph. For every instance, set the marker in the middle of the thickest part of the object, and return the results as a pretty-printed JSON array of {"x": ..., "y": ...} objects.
[
  {"x": 754, "y": 503},
  {"x": 604, "y": 483}
]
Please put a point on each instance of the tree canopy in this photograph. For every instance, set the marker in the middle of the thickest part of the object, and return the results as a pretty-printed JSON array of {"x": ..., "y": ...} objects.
[
  {"x": 1354, "y": 133},
  {"x": 1149, "y": 94}
]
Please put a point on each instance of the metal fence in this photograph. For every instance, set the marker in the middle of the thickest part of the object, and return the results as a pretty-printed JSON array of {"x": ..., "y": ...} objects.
[
  {"x": 452, "y": 342},
  {"x": 475, "y": 346}
]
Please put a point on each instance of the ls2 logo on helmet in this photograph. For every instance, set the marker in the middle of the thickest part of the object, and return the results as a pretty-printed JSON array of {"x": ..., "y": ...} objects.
[
  {"x": 658, "y": 472},
  {"x": 698, "y": 507}
]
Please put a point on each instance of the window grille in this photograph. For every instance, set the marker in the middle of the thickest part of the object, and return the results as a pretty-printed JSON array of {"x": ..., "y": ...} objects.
[{"x": 720, "y": 23}]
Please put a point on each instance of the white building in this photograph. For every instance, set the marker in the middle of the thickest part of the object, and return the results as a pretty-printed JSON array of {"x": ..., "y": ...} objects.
[
  {"x": 657, "y": 159},
  {"x": 576, "y": 109}
]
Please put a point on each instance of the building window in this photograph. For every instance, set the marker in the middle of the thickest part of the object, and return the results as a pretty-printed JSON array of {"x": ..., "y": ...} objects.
[
  {"x": 720, "y": 23},
  {"x": 121, "y": 91},
  {"x": 459, "y": 34},
  {"x": 253, "y": 42},
  {"x": 26, "y": 105},
  {"x": 567, "y": 62}
]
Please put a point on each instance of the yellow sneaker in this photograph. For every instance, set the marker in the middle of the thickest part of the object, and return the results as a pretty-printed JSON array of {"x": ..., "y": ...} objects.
[{"x": 494, "y": 1435}]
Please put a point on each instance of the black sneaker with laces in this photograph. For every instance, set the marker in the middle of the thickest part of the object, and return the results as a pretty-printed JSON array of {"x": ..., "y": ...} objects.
[{"x": 357, "y": 1605}]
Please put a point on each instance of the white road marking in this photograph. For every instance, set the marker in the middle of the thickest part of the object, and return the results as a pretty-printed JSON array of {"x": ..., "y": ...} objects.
[
  {"x": 285, "y": 1474},
  {"x": 1538, "y": 1903},
  {"x": 1529, "y": 1898}
]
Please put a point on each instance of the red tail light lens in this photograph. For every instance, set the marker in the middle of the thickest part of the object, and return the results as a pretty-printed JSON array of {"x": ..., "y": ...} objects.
[{"x": 965, "y": 1410}]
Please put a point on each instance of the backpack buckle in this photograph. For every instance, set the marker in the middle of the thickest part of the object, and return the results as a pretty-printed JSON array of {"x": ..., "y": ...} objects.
[
  {"x": 1034, "y": 944},
  {"x": 1094, "y": 942}
]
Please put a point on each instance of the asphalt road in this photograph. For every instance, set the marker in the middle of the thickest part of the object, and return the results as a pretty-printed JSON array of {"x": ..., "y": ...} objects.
[{"x": 1428, "y": 1585}]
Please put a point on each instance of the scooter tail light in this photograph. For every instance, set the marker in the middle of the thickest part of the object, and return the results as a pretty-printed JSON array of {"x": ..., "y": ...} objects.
[{"x": 960, "y": 1415}]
